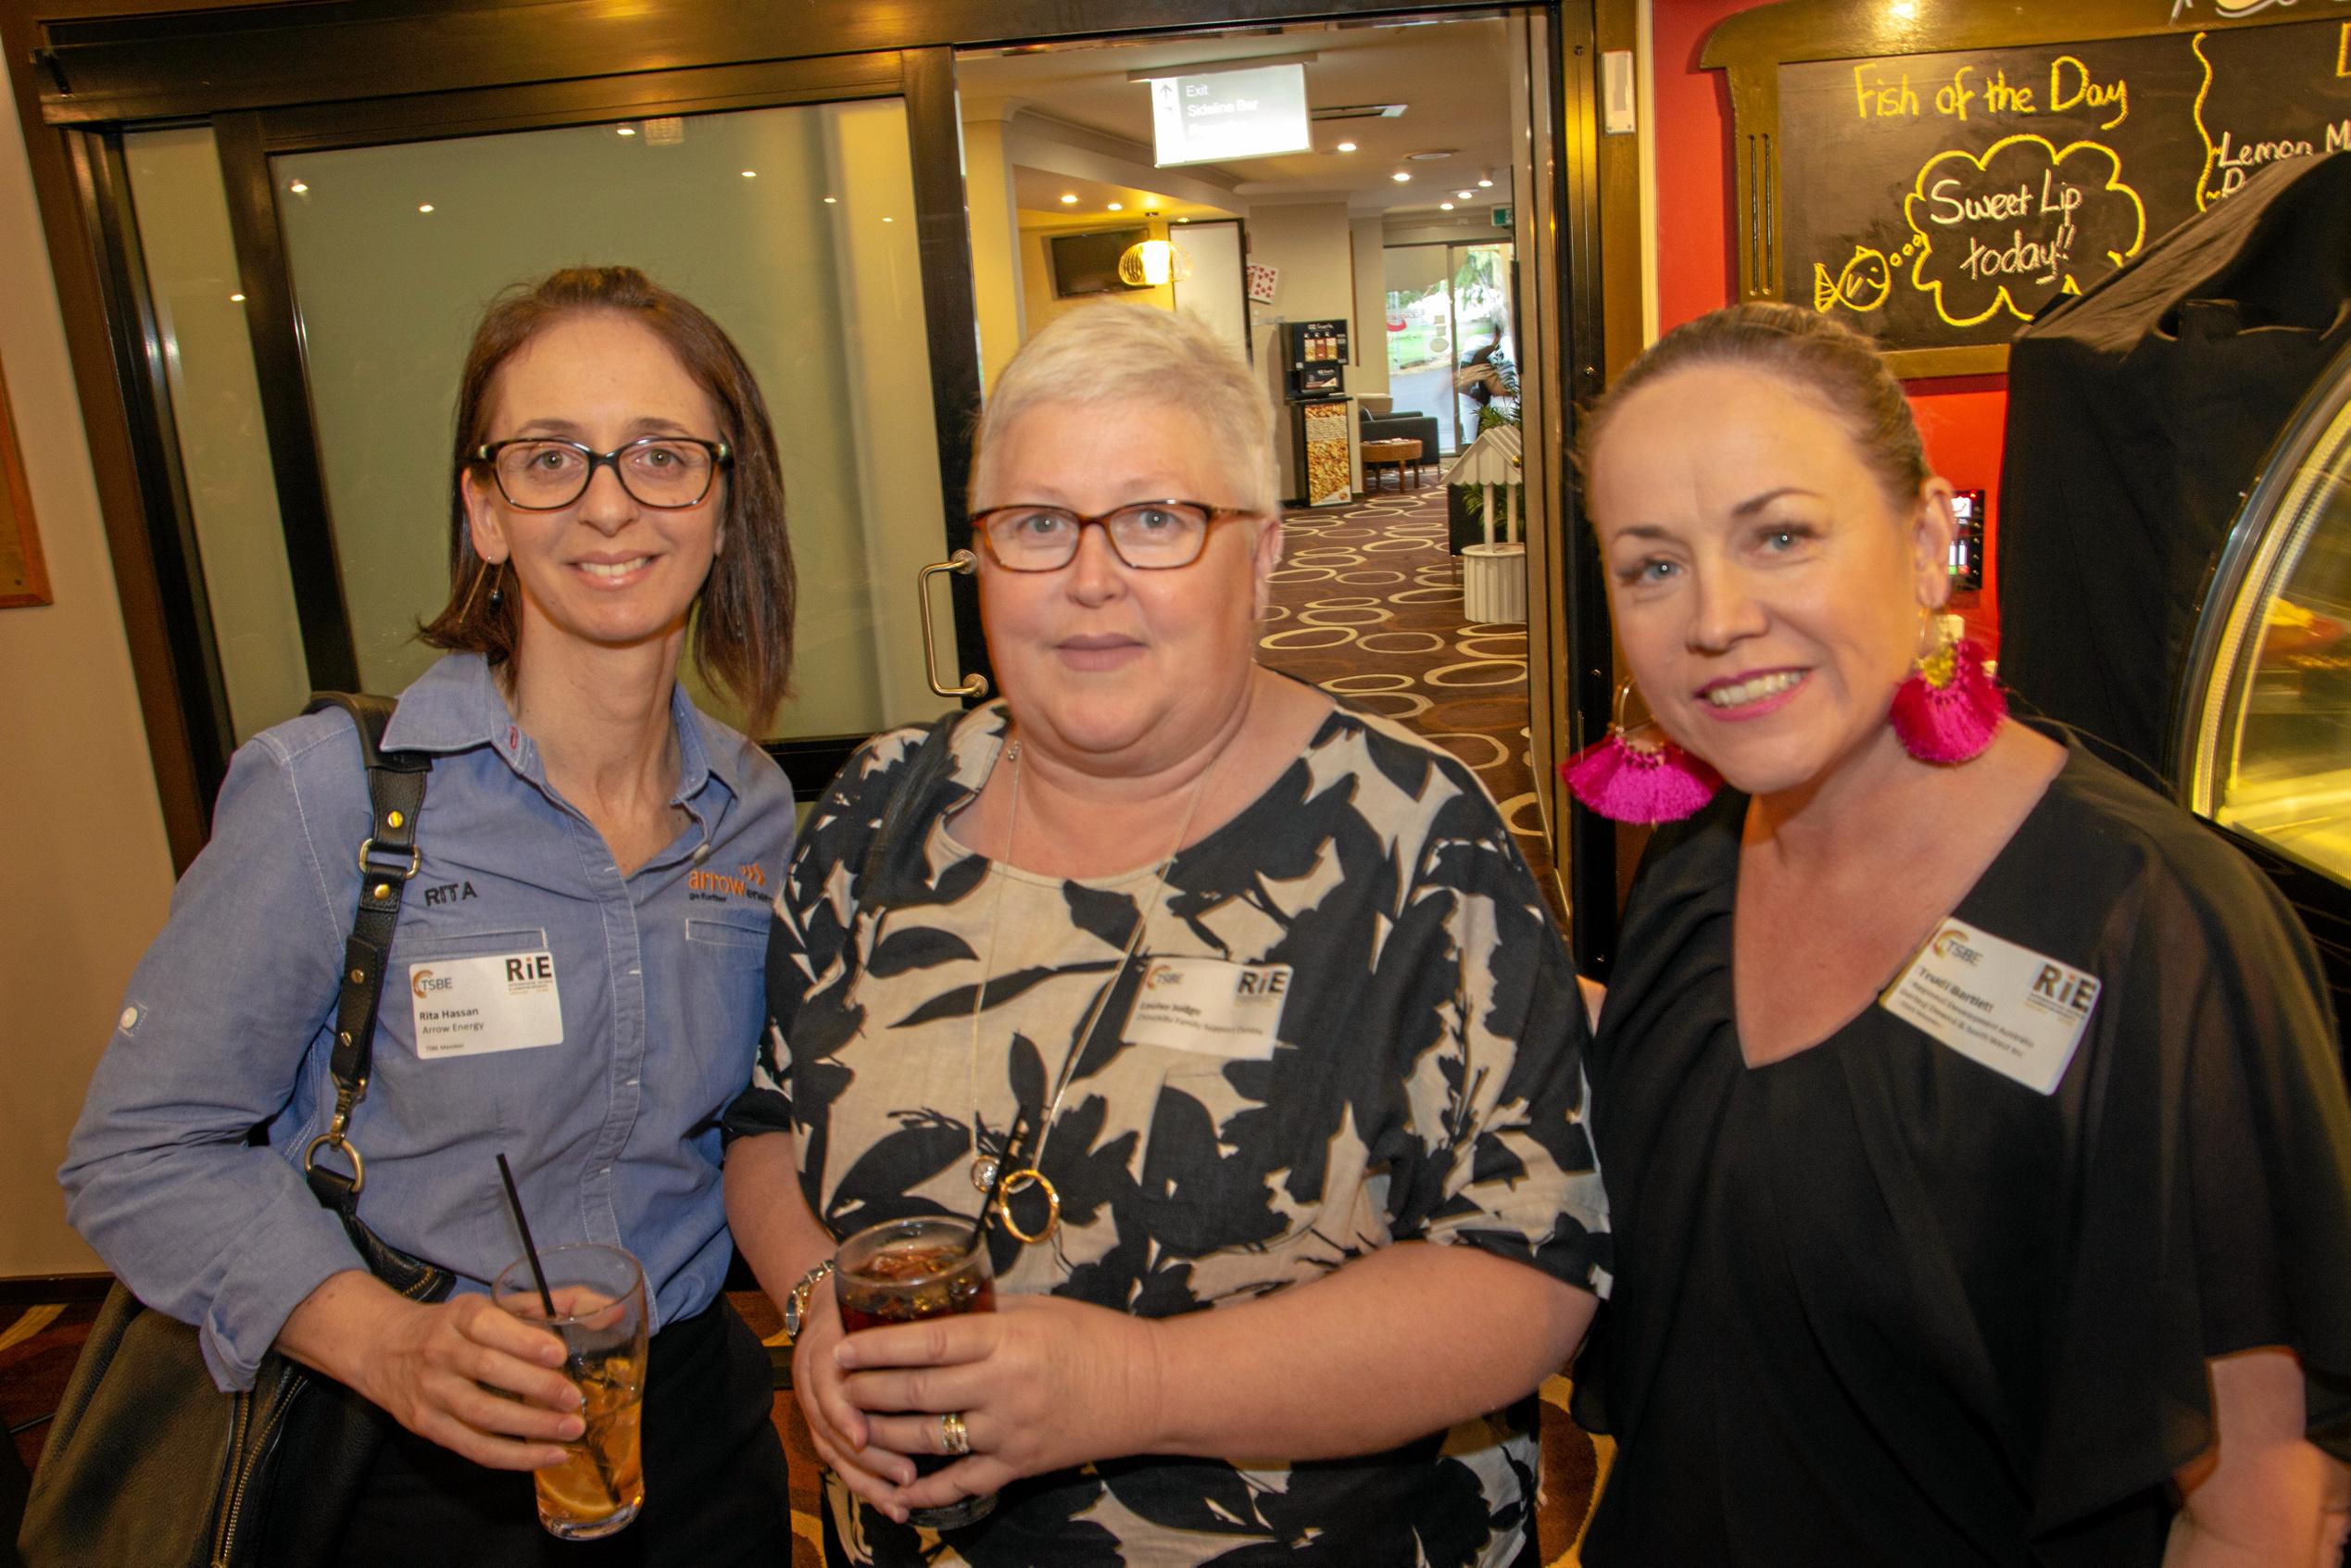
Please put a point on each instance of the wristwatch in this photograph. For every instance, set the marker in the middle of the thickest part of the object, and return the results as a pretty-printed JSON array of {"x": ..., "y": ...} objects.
[{"x": 795, "y": 1304}]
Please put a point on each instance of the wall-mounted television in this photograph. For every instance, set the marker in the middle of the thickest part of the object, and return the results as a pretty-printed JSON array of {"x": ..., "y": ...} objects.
[{"x": 1088, "y": 263}]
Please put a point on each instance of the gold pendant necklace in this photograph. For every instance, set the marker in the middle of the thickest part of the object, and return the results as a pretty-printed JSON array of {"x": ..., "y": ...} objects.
[{"x": 987, "y": 1169}]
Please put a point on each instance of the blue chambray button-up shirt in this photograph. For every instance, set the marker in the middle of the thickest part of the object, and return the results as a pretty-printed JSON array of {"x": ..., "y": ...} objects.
[{"x": 228, "y": 1021}]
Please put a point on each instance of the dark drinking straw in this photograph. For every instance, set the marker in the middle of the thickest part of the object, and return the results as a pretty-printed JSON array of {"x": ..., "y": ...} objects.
[
  {"x": 530, "y": 1247},
  {"x": 547, "y": 1300}
]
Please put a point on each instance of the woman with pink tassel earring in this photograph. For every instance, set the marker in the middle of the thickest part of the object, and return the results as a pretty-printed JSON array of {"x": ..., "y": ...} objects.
[{"x": 1982, "y": 1167}]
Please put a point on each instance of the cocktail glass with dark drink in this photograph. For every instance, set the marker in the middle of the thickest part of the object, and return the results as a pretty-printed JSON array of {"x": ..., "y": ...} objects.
[
  {"x": 598, "y": 1295},
  {"x": 904, "y": 1270}
]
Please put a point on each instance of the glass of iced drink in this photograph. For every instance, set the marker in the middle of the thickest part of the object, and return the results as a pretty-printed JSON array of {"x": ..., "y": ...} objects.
[
  {"x": 599, "y": 1314},
  {"x": 902, "y": 1271}
]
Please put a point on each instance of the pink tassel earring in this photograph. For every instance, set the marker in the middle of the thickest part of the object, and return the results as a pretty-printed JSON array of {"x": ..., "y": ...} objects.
[
  {"x": 1639, "y": 781},
  {"x": 1949, "y": 708}
]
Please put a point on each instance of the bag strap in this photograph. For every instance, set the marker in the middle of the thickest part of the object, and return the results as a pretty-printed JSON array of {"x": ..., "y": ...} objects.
[{"x": 388, "y": 857}]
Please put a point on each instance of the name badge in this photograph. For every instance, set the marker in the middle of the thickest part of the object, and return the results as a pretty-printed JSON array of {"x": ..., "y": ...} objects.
[
  {"x": 2011, "y": 1010},
  {"x": 473, "y": 1007},
  {"x": 1232, "y": 1011}
]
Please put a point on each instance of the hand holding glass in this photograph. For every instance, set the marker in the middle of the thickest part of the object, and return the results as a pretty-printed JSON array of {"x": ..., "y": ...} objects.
[
  {"x": 600, "y": 1316},
  {"x": 904, "y": 1270}
]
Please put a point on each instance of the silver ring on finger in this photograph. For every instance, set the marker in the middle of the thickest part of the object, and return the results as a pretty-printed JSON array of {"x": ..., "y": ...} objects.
[{"x": 953, "y": 1435}]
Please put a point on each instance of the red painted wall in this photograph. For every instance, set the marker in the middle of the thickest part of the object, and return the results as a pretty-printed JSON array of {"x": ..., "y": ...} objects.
[{"x": 1960, "y": 417}]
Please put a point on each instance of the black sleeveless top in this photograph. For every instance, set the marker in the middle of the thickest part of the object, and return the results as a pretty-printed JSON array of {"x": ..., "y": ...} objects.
[{"x": 1877, "y": 1304}]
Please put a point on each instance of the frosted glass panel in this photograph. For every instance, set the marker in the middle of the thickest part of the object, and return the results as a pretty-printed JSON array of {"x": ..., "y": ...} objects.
[
  {"x": 793, "y": 227},
  {"x": 215, "y": 407}
]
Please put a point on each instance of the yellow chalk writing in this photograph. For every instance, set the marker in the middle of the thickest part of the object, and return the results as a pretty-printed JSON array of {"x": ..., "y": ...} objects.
[{"x": 2070, "y": 83}]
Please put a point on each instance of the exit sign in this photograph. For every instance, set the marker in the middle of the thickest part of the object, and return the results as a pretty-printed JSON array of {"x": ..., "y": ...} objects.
[{"x": 1502, "y": 217}]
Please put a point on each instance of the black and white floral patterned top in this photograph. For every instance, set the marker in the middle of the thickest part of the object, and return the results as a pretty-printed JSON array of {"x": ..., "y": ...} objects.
[{"x": 1419, "y": 1077}]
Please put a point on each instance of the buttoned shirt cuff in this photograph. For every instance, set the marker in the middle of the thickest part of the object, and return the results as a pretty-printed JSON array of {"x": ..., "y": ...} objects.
[{"x": 296, "y": 1247}]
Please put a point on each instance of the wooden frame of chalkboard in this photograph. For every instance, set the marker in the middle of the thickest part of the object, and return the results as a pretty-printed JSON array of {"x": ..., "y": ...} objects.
[{"x": 1934, "y": 171}]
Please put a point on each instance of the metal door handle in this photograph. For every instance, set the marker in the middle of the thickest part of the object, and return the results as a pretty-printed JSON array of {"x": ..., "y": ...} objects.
[{"x": 958, "y": 564}]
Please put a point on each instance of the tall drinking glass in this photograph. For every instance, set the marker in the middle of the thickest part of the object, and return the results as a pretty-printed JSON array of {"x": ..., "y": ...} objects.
[
  {"x": 903, "y": 1271},
  {"x": 599, "y": 1314}
]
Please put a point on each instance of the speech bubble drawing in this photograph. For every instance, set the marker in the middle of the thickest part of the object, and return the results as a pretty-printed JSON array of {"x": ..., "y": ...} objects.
[{"x": 2022, "y": 222}]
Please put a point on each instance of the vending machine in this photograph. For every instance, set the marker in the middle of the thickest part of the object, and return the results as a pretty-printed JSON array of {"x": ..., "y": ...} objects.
[{"x": 1315, "y": 370}]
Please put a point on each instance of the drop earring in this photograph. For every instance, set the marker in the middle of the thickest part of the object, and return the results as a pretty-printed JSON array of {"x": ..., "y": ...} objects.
[
  {"x": 1628, "y": 780},
  {"x": 495, "y": 577},
  {"x": 1949, "y": 707}
]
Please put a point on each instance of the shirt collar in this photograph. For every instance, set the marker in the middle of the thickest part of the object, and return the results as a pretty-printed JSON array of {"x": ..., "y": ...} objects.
[{"x": 456, "y": 705}]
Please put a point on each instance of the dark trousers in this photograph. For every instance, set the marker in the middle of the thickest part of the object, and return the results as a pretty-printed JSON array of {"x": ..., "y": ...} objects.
[{"x": 715, "y": 1492}]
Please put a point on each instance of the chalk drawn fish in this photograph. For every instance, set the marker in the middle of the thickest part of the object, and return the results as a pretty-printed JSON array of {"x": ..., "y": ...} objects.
[{"x": 1861, "y": 286}]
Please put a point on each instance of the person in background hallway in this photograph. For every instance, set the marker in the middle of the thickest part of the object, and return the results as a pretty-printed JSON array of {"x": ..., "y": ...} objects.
[
  {"x": 1308, "y": 1266},
  {"x": 1981, "y": 1169},
  {"x": 616, "y": 484}
]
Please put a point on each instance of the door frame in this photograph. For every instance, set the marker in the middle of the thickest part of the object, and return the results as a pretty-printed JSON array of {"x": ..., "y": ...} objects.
[
  {"x": 248, "y": 139},
  {"x": 269, "y": 76}
]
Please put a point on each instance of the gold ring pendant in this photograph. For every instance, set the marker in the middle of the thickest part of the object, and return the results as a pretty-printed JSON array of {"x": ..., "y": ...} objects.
[{"x": 1020, "y": 1182}]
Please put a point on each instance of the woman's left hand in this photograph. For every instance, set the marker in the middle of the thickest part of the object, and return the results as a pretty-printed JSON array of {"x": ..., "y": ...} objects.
[{"x": 1043, "y": 1383}]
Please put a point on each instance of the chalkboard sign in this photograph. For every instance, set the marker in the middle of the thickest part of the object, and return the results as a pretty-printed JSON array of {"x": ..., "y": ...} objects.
[{"x": 1936, "y": 198}]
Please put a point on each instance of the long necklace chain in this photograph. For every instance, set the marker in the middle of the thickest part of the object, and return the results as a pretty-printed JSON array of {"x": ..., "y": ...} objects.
[{"x": 985, "y": 1168}]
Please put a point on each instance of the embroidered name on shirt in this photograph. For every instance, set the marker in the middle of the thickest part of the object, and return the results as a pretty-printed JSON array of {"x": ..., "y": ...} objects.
[
  {"x": 476, "y": 1005},
  {"x": 2001, "y": 1006}
]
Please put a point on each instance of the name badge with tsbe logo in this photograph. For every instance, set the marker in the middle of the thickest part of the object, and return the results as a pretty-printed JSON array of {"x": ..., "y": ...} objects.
[
  {"x": 2011, "y": 1010},
  {"x": 473, "y": 1007},
  {"x": 1232, "y": 1011}
]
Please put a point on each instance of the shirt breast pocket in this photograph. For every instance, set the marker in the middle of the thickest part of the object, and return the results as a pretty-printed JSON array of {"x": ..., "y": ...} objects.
[
  {"x": 726, "y": 966},
  {"x": 455, "y": 1083}
]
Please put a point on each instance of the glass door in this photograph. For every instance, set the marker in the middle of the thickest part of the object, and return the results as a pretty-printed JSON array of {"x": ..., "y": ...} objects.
[
  {"x": 357, "y": 245},
  {"x": 1449, "y": 332}
]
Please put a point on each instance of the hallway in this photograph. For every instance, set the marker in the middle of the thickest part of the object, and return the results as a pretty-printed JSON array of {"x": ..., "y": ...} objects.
[{"x": 1367, "y": 605}]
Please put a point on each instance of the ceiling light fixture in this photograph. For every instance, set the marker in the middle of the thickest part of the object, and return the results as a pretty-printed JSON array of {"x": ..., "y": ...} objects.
[
  {"x": 236, "y": 299},
  {"x": 424, "y": 207},
  {"x": 1346, "y": 147},
  {"x": 626, "y": 130},
  {"x": 1118, "y": 207},
  {"x": 750, "y": 174},
  {"x": 1068, "y": 200},
  {"x": 299, "y": 188},
  {"x": 1486, "y": 181},
  {"x": 1152, "y": 263},
  {"x": 1400, "y": 177},
  {"x": 832, "y": 201},
  {"x": 1464, "y": 195},
  {"x": 1444, "y": 206}
]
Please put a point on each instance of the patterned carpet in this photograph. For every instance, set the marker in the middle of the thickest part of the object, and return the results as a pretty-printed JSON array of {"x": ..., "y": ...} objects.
[{"x": 1367, "y": 605}]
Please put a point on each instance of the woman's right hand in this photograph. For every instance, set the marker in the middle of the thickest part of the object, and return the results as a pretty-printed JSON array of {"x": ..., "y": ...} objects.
[
  {"x": 840, "y": 1433},
  {"x": 479, "y": 1382}
]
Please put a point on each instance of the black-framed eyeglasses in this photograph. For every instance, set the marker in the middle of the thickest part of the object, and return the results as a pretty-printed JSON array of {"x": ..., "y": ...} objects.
[
  {"x": 1147, "y": 535},
  {"x": 540, "y": 474}
]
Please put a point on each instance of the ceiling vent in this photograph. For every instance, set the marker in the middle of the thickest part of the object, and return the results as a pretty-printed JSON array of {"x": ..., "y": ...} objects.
[{"x": 1357, "y": 111}]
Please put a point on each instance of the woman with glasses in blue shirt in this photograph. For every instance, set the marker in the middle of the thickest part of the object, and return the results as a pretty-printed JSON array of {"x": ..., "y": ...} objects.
[{"x": 616, "y": 494}]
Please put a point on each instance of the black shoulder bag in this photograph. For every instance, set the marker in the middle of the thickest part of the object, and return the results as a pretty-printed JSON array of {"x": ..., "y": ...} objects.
[{"x": 147, "y": 1462}]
